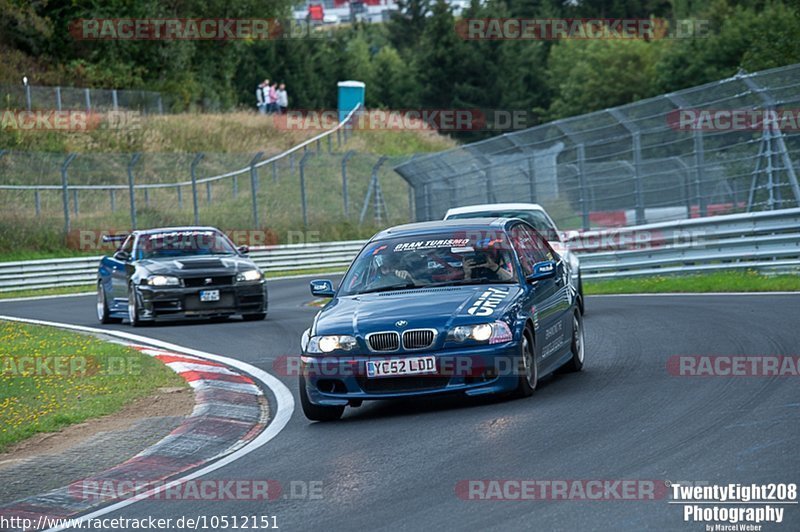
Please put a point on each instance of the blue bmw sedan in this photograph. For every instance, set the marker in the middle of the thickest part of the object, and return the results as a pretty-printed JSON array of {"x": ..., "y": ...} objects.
[{"x": 478, "y": 306}]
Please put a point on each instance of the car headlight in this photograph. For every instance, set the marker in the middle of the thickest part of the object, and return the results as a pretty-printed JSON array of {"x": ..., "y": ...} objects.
[
  {"x": 249, "y": 276},
  {"x": 329, "y": 344},
  {"x": 162, "y": 280},
  {"x": 495, "y": 333}
]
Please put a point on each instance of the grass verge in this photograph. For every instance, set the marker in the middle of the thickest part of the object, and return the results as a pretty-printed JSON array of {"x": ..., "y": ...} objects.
[
  {"x": 747, "y": 281},
  {"x": 50, "y": 379}
]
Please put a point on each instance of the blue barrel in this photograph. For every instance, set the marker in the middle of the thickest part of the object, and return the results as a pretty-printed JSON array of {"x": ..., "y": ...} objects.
[{"x": 351, "y": 94}]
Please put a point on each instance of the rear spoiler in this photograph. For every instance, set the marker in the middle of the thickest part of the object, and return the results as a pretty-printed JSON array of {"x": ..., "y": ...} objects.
[{"x": 115, "y": 238}]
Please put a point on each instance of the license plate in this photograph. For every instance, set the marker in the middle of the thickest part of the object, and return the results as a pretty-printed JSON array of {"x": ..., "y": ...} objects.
[
  {"x": 209, "y": 295},
  {"x": 401, "y": 366}
]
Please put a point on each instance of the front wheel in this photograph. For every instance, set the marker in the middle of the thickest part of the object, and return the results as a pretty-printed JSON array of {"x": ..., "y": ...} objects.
[
  {"x": 577, "y": 347},
  {"x": 317, "y": 412},
  {"x": 529, "y": 371}
]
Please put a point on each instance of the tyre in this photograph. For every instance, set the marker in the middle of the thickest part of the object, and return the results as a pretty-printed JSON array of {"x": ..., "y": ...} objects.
[
  {"x": 254, "y": 317},
  {"x": 103, "y": 314},
  {"x": 317, "y": 412},
  {"x": 577, "y": 347},
  {"x": 133, "y": 308},
  {"x": 529, "y": 370}
]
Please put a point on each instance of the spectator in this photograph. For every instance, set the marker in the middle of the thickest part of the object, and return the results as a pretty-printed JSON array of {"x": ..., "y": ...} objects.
[
  {"x": 272, "y": 100},
  {"x": 260, "y": 103},
  {"x": 283, "y": 99}
]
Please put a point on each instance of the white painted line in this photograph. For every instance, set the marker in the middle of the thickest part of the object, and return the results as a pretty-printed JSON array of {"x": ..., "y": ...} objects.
[
  {"x": 672, "y": 294},
  {"x": 283, "y": 398}
]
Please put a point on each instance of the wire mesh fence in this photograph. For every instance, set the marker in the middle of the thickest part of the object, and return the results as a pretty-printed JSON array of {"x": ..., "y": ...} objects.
[
  {"x": 725, "y": 147},
  {"x": 41, "y": 98},
  {"x": 311, "y": 194}
]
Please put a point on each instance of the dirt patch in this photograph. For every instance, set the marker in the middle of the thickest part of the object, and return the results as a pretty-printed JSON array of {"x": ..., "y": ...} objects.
[{"x": 167, "y": 402}]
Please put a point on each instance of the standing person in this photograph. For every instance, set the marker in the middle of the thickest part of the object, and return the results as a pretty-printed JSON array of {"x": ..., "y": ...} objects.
[
  {"x": 272, "y": 98},
  {"x": 283, "y": 99},
  {"x": 260, "y": 103},
  {"x": 265, "y": 95}
]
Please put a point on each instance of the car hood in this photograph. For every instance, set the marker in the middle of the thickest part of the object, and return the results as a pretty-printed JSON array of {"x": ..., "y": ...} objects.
[
  {"x": 201, "y": 265},
  {"x": 438, "y": 308}
]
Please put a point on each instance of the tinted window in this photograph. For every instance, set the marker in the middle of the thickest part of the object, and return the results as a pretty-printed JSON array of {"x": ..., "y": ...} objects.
[
  {"x": 183, "y": 243},
  {"x": 431, "y": 260}
]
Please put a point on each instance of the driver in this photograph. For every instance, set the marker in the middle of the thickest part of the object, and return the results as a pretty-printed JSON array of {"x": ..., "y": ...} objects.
[
  {"x": 483, "y": 265},
  {"x": 388, "y": 274}
]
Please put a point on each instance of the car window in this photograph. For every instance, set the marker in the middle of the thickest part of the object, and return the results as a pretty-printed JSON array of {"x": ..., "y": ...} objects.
[
  {"x": 127, "y": 246},
  {"x": 183, "y": 243},
  {"x": 530, "y": 246},
  {"x": 419, "y": 261},
  {"x": 537, "y": 219}
]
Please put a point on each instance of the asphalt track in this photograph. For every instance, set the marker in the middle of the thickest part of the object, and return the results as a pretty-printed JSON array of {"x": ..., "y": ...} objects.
[{"x": 395, "y": 466}]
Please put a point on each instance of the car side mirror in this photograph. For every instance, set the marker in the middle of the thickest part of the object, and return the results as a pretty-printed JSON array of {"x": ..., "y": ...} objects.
[
  {"x": 542, "y": 270},
  {"x": 322, "y": 288},
  {"x": 122, "y": 256},
  {"x": 243, "y": 250}
]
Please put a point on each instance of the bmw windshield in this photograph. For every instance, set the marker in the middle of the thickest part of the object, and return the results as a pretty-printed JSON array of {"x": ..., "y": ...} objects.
[
  {"x": 183, "y": 244},
  {"x": 431, "y": 260}
]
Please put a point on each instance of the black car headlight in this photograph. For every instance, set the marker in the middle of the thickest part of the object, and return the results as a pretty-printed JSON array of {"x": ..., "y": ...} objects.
[
  {"x": 331, "y": 343},
  {"x": 162, "y": 280},
  {"x": 249, "y": 276},
  {"x": 497, "y": 332}
]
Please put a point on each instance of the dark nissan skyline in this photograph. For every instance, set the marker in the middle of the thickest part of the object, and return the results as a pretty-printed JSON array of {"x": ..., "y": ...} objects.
[{"x": 179, "y": 272}]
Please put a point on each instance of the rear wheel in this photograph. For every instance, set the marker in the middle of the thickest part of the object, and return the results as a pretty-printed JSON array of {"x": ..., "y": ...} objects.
[
  {"x": 103, "y": 314},
  {"x": 577, "y": 347},
  {"x": 317, "y": 412},
  {"x": 133, "y": 307},
  {"x": 529, "y": 371}
]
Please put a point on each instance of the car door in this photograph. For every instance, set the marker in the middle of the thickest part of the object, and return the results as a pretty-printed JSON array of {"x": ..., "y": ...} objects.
[
  {"x": 119, "y": 276},
  {"x": 549, "y": 297}
]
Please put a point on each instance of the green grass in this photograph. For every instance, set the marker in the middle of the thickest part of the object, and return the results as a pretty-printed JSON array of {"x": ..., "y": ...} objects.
[
  {"x": 83, "y": 378},
  {"x": 748, "y": 281}
]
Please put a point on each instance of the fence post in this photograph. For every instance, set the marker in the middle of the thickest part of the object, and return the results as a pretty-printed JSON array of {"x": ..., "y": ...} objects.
[
  {"x": 160, "y": 105},
  {"x": 254, "y": 186},
  {"x": 330, "y": 147},
  {"x": 374, "y": 188},
  {"x": 584, "y": 192},
  {"x": 275, "y": 171},
  {"x": 208, "y": 191},
  {"x": 58, "y": 98},
  {"x": 235, "y": 186},
  {"x": 88, "y": 100},
  {"x": 699, "y": 163},
  {"x": 180, "y": 197},
  {"x": 489, "y": 185},
  {"x": 65, "y": 189},
  {"x": 192, "y": 170},
  {"x": 37, "y": 199},
  {"x": 75, "y": 208},
  {"x": 345, "y": 193},
  {"x": 146, "y": 197},
  {"x": 637, "y": 169},
  {"x": 532, "y": 178},
  {"x": 113, "y": 195},
  {"x": 28, "y": 97},
  {"x": 319, "y": 146},
  {"x": 131, "y": 189},
  {"x": 114, "y": 99},
  {"x": 303, "y": 187},
  {"x": 339, "y": 138}
]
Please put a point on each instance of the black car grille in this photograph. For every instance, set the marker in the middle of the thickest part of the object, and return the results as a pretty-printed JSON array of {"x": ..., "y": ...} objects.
[
  {"x": 199, "y": 282},
  {"x": 403, "y": 384},
  {"x": 384, "y": 341},
  {"x": 418, "y": 338}
]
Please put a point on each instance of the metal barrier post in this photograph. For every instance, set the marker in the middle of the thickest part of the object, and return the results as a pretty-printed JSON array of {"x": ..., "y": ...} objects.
[
  {"x": 131, "y": 189},
  {"x": 254, "y": 186},
  {"x": 65, "y": 189},
  {"x": 345, "y": 193},
  {"x": 303, "y": 187},
  {"x": 192, "y": 170},
  {"x": 584, "y": 198},
  {"x": 58, "y": 98}
]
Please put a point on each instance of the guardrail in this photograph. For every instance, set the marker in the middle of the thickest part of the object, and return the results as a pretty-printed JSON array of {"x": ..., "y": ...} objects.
[{"x": 764, "y": 240}]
